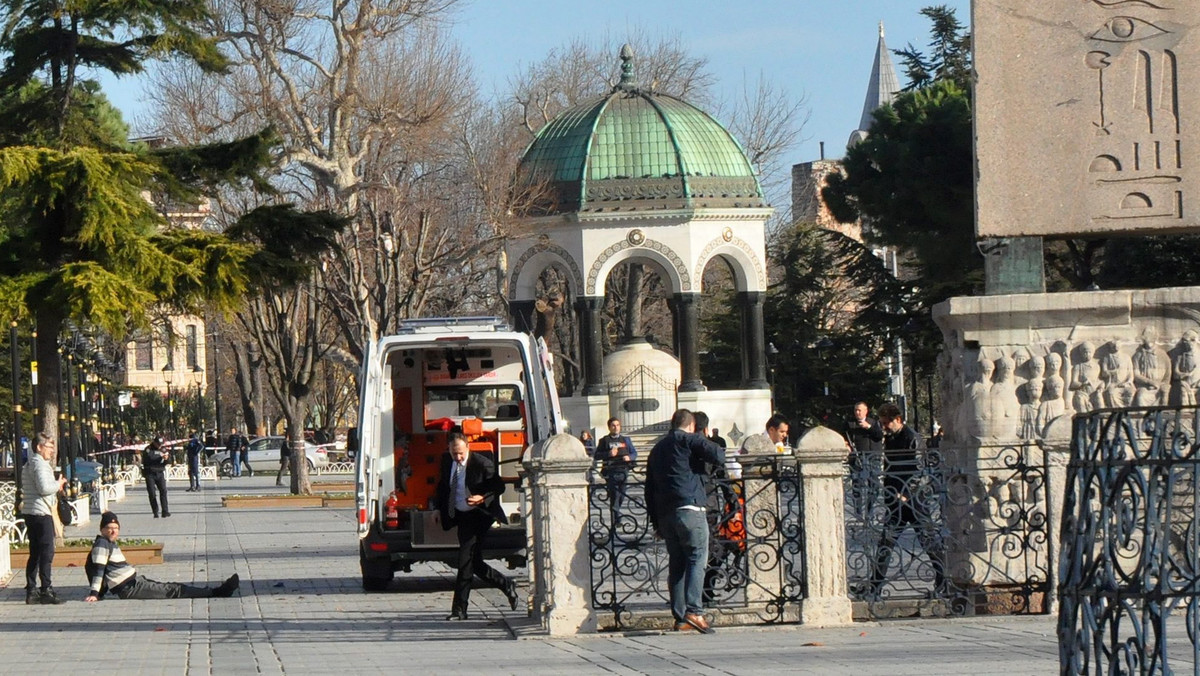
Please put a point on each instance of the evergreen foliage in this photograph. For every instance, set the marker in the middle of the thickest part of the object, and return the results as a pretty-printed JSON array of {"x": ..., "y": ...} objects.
[{"x": 80, "y": 241}]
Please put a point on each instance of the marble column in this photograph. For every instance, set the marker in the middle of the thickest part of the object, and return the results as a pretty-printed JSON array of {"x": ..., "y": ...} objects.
[
  {"x": 754, "y": 342},
  {"x": 521, "y": 315},
  {"x": 687, "y": 310},
  {"x": 821, "y": 454},
  {"x": 589, "y": 308},
  {"x": 559, "y": 563}
]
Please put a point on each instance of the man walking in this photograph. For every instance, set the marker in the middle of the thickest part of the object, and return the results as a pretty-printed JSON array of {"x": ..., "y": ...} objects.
[
  {"x": 616, "y": 455},
  {"x": 154, "y": 469},
  {"x": 675, "y": 501},
  {"x": 906, "y": 506},
  {"x": 40, "y": 489},
  {"x": 468, "y": 496}
]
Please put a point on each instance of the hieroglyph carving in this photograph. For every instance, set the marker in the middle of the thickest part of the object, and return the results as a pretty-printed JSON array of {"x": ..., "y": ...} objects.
[{"x": 1138, "y": 155}]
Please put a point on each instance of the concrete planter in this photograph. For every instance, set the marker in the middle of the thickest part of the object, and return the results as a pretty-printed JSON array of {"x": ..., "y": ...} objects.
[
  {"x": 76, "y": 557},
  {"x": 272, "y": 501}
]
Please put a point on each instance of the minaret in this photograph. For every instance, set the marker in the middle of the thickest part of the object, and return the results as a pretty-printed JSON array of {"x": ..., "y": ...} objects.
[{"x": 881, "y": 89}]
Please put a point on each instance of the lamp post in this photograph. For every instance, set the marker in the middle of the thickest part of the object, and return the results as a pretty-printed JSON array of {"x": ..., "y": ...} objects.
[
  {"x": 168, "y": 371},
  {"x": 198, "y": 374},
  {"x": 772, "y": 355}
]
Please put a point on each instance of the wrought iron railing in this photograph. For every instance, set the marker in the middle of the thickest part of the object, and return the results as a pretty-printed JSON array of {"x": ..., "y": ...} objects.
[
  {"x": 947, "y": 533},
  {"x": 1129, "y": 575},
  {"x": 756, "y": 552}
]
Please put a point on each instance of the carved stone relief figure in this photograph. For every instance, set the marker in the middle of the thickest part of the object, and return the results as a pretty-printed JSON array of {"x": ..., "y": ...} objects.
[
  {"x": 1116, "y": 370},
  {"x": 978, "y": 399},
  {"x": 1005, "y": 409},
  {"x": 1032, "y": 401},
  {"x": 1151, "y": 371},
  {"x": 1085, "y": 380},
  {"x": 1187, "y": 372},
  {"x": 1053, "y": 402}
]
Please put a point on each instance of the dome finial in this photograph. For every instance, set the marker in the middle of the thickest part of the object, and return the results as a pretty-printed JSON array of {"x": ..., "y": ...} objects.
[
  {"x": 880, "y": 29},
  {"x": 628, "y": 79}
]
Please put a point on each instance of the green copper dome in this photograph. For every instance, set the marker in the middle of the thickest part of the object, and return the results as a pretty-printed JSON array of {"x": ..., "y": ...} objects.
[{"x": 636, "y": 150}]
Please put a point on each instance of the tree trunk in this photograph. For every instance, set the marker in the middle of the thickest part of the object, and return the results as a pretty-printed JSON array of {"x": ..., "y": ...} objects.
[
  {"x": 246, "y": 364},
  {"x": 301, "y": 482}
]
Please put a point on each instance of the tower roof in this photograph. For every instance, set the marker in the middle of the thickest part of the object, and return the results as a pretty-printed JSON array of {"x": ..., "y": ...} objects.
[
  {"x": 883, "y": 85},
  {"x": 635, "y": 149}
]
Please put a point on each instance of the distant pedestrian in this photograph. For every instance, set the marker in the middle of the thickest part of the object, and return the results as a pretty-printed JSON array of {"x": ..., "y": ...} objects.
[
  {"x": 285, "y": 459},
  {"x": 675, "y": 501},
  {"x": 717, "y": 439},
  {"x": 616, "y": 456},
  {"x": 40, "y": 490},
  {"x": 109, "y": 571},
  {"x": 195, "y": 447},
  {"x": 864, "y": 436},
  {"x": 237, "y": 445},
  {"x": 154, "y": 470},
  {"x": 589, "y": 442}
]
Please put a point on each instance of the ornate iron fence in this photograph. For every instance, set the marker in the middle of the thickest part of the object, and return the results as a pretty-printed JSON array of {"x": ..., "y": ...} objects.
[
  {"x": 946, "y": 533},
  {"x": 756, "y": 552},
  {"x": 1129, "y": 577}
]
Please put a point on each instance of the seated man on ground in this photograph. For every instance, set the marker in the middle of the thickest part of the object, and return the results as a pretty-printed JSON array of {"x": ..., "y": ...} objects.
[{"x": 108, "y": 571}]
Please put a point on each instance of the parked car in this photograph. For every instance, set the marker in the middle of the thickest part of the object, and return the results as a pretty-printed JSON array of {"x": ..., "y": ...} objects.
[{"x": 264, "y": 456}]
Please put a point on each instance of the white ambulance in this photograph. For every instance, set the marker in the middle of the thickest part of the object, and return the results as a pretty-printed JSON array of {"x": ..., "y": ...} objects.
[{"x": 470, "y": 374}]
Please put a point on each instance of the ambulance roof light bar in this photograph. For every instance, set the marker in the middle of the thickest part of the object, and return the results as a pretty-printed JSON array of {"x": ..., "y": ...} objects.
[{"x": 453, "y": 325}]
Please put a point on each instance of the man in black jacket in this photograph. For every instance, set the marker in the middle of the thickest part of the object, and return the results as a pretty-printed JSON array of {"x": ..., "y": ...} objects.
[
  {"x": 468, "y": 496},
  {"x": 675, "y": 501},
  {"x": 906, "y": 505},
  {"x": 154, "y": 468}
]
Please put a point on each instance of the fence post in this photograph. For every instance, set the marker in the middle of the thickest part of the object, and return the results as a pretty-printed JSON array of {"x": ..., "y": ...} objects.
[
  {"x": 559, "y": 561},
  {"x": 821, "y": 454}
]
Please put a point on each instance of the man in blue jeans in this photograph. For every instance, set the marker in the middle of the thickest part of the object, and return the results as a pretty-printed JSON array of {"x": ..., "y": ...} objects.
[{"x": 675, "y": 500}]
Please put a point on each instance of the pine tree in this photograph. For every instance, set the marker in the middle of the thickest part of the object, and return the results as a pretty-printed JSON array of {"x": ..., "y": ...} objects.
[{"x": 80, "y": 241}]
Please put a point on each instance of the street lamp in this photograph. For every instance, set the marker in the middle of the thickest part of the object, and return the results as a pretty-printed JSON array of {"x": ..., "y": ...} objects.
[
  {"x": 772, "y": 354},
  {"x": 822, "y": 346},
  {"x": 168, "y": 370},
  {"x": 198, "y": 373}
]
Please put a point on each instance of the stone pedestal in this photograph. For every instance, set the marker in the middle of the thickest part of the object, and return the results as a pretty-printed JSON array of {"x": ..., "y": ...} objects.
[
  {"x": 1015, "y": 369},
  {"x": 821, "y": 454},
  {"x": 586, "y": 413},
  {"x": 559, "y": 563}
]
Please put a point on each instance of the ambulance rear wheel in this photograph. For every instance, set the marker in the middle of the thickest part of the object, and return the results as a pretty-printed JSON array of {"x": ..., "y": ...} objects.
[{"x": 376, "y": 575}]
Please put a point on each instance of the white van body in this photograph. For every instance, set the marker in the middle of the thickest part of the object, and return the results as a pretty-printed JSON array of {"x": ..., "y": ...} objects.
[{"x": 471, "y": 374}]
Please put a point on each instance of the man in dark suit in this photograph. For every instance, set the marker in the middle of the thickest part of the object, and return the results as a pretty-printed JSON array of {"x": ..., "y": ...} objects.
[{"x": 468, "y": 496}]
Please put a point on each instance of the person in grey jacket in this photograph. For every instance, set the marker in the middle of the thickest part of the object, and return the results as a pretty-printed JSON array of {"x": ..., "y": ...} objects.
[{"x": 40, "y": 490}]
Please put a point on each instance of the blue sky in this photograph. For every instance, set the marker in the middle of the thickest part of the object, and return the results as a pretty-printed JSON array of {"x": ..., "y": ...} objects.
[{"x": 819, "y": 49}]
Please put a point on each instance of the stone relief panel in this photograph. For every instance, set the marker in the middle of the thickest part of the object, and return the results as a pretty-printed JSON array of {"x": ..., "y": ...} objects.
[
  {"x": 1013, "y": 393},
  {"x": 1101, "y": 89}
]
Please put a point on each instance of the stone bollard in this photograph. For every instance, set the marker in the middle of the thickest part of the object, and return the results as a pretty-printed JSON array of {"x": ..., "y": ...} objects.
[
  {"x": 821, "y": 454},
  {"x": 1058, "y": 455},
  {"x": 559, "y": 561}
]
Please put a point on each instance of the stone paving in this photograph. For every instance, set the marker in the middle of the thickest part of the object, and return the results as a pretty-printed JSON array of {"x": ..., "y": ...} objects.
[{"x": 301, "y": 611}]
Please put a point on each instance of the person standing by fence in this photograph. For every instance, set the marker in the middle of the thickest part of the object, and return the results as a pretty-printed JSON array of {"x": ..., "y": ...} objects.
[
  {"x": 616, "y": 456},
  {"x": 194, "y": 448},
  {"x": 237, "y": 446},
  {"x": 40, "y": 501}
]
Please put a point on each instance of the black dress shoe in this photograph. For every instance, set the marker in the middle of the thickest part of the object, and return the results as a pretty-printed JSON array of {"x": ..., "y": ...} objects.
[
  {"x": 166, "y": 514},
  {"x": 456, "y": 617},
  {"x": 511, "y": 593},
  {"x": 33, "y": 597},
  {"x": 49, "y": 598}
]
